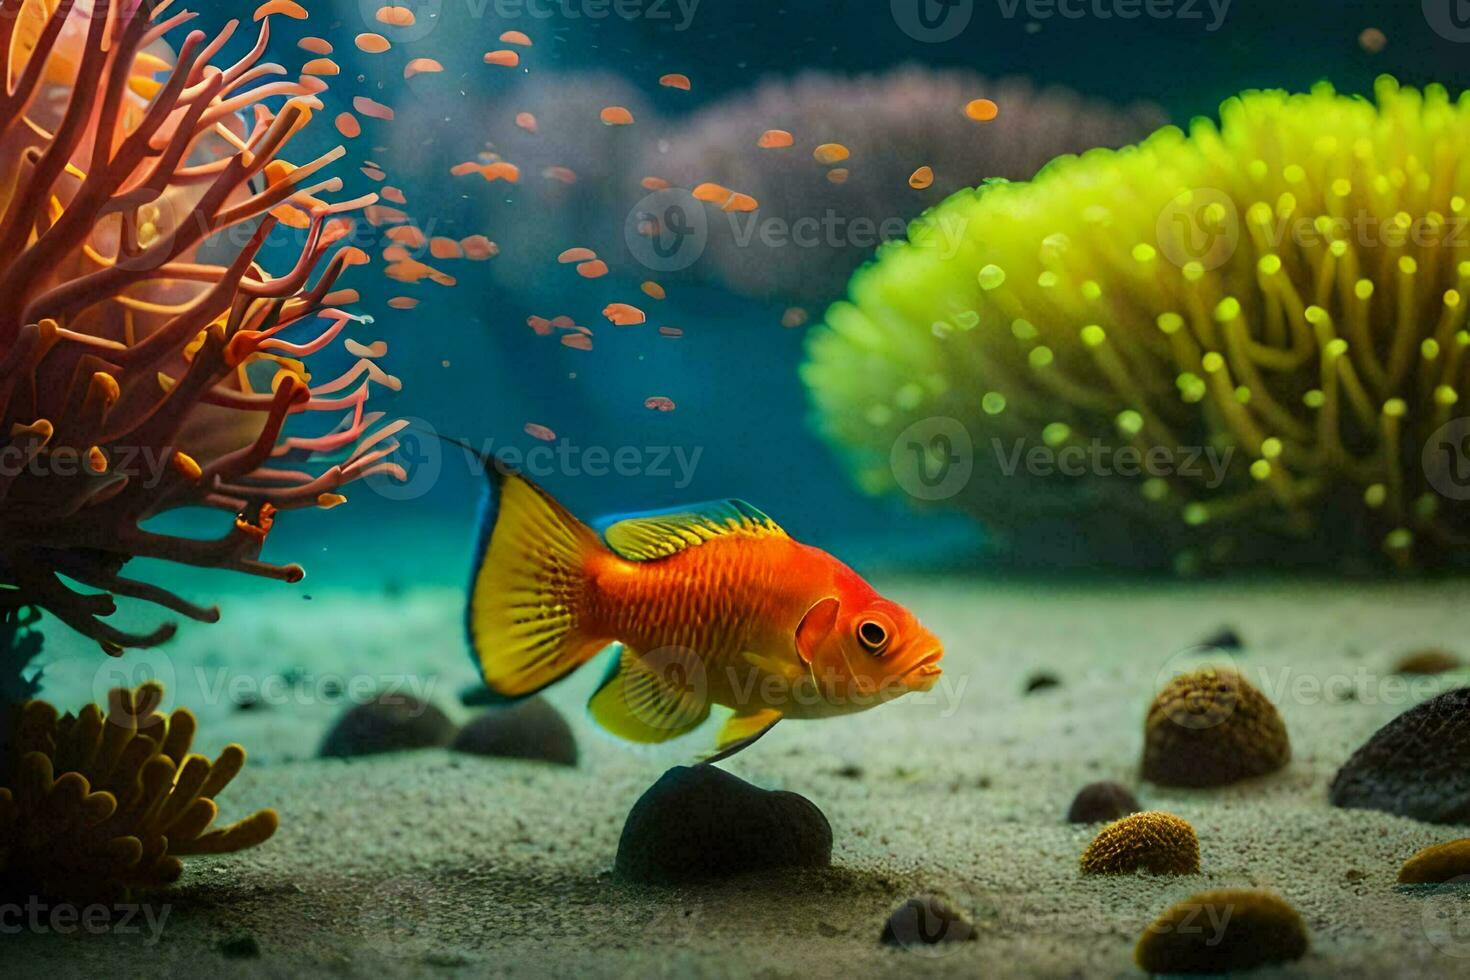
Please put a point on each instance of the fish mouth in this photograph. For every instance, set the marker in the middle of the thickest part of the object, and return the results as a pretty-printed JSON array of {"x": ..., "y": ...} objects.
[{"x": 924, "y": 674}]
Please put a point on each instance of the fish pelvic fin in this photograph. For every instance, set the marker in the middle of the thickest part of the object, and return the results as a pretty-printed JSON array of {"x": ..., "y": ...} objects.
[
  {"x": 528, "y": 611},
  {"x": 650, "y": 700},
  {"x": 742, "y": 730}
]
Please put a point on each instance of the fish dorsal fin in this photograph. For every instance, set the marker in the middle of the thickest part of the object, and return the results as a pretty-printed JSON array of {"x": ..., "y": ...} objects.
[{"x": 647, "y": 537}]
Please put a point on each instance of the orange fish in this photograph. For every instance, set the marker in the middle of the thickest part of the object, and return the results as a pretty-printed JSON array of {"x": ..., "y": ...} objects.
[{"x": 712, "y": 605}]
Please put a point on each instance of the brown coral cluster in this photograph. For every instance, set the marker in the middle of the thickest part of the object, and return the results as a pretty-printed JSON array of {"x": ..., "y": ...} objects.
[
  {"x": 1153, "y": 841},
  {"x": 1212, "y": 727},
  {"x": 102, "y": 803},
  {"x": 148, "y": 360},
  {"x": 1221, "y": 931}
]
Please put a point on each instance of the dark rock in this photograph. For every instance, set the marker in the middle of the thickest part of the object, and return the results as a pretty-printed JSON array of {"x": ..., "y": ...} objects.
[
  {"x": 926, "y": 921},
  {"x": 1042, "y": 681},
  {"x": 1225, "y": 639},
  {"x": 701, "y": 822},
  {"x": 1102, "y": 803},
  {"x": 1418, "y": 765},
  {"x": 241, "y": 947},
  {"x": 530, "y": 729},
  {"x": 391, "y": 723},
  {"x": 247, "y": 702}
]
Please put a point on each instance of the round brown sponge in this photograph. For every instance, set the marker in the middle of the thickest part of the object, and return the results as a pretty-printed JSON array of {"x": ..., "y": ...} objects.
[
  {"x": 1212, "y": 728},
  {"x": 1222, "y": 931},
  {"x": 1157, "y": 842}
]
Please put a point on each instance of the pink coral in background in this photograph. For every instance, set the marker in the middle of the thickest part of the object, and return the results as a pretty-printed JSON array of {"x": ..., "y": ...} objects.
[{"x": 148, "y": 361}]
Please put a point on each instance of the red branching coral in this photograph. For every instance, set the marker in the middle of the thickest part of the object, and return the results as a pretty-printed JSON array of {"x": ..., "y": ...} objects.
[{"x": 147, "y": 360}]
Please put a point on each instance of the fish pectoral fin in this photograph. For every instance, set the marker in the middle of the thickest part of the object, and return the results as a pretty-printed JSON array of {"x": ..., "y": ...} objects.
[
  {"x": 742, "y": 730},
  {"x": 651, "y": 700},
  {"x": 786, "y": 670}
]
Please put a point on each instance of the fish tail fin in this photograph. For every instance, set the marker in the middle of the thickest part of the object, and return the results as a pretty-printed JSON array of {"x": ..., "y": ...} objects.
[{"x": 528, "y": 620}]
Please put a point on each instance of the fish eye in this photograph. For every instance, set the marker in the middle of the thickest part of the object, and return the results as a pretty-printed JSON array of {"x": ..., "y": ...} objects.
[{"x": 872, "y": 635}]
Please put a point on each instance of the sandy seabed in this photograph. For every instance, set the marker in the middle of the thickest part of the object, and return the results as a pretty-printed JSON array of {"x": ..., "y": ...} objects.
[{"x": 437, "y": 863}]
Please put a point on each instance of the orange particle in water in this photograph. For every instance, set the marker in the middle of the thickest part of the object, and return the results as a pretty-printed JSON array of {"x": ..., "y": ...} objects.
[
  {"x": 793, "y": 317},
  {"x": 741, "y": 203},
  {"x": 321, "y": 66},
  {"x": 410, "y": 270},
  {"x": 515, "y": 37},
  {"x": 563, "y": 322},
  {"x": 526, "y": 121},
  {"x": 577, "y": 254},
  {"x": 1372, "y": 40},
  {"x": 775, "y": 139},
  {"x": 839, "y": 175},
  {"x": 577, "y": 341},
  {"x": 380, "y": 214},
  {"x": 830, "y": 153},
  {"x": 502, "y": 58},
  {"x": 372, "y": 109},
  {"x": 396, "y": 16},
  {"x": 464, "y": 169},
  {"x": 540, "y": 324},
  {"x": 372, "y": 43},
  {"x": 653, "y": 290},
  {"x": 286, "y": 8},
  {"x": 541, "y": 432},
  {"x": 713, "y": 193},
  {"x": 565, "y": 175},
  {"x": 673, "y": 332},
  {"x": 982, "y": 110},
  {"x": 624, "y": 315},
  {"x": 616, "y": 115},
  {"x": 654, "y": 184},
  {"x": 315, "y": 45},
  {"x": 422, "y": 66},
  {"x": 675, "y": 80},
  {"x": 348, "y": 125},
  {"x": 922, "y": 178},
  {"x": 659, "y": 403},
  {"x": 595, "y": 269},
  {"x": 478, "y": 248},
  {"x": 406, "y": 235},
  {"x": 394, "y": 195},
  {"x": 373, "y": 173},
  {"x": 445, "y": 248},
  {"x": 403, "y": 303},
  {"x": 501, "y": 170}
]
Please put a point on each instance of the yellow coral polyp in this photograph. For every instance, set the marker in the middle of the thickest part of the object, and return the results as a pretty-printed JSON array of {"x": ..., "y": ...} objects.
[
  {"x": 1288, "y": 278},
  {"x": 109, "y": 800}
]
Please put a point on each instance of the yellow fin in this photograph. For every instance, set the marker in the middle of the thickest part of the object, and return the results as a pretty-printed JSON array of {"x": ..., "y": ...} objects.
[
  {"x": 742, "y": 730},
  {"x": 526, "y": 615},
  {"x": 650, "y": 702},
  {"x": 647, "y": 537}
]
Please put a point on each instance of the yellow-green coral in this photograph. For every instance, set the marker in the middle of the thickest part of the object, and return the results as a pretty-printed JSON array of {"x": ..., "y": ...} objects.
[
  {"x": 1153, "y": 841},
  {"x": 105, "y": 803},
  {"x": 1222, "y": 931},
  {"x": 1212, "y": 727},
  {"x": 1286, "y": 289},
  {"x": 1437, "y": 864}
]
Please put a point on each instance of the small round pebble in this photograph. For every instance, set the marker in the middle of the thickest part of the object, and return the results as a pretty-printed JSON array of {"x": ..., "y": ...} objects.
[
  {"x": 1153, "y": 841},
  {"x": 1042, "y": 681},
  {"x": 1102, "y": 803},
  {"x": 530, "y": 729},
  {"x": 700, "y": 822},
  {"x": 1428, "y": 662},
  {"x": 1437, "y": 864},
  {"x": 926, "y": 921},
  {"x": 391, "y": 723}
]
